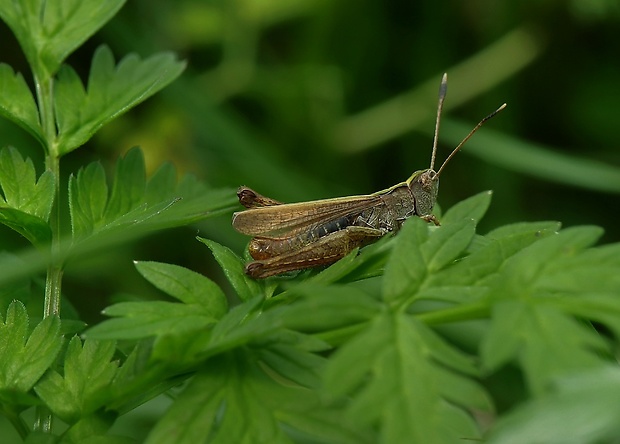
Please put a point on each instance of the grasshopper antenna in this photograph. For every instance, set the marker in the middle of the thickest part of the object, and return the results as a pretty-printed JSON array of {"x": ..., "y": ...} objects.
[
  {"x": 443, "y": 89},
  {"x": 458, "y": 147}
]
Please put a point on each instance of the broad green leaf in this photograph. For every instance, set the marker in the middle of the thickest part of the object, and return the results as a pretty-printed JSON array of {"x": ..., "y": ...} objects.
[
  {"x": 233, "y": 266},
  {"x": 25, "y": 358},
  {"x": 112, "y": 90},
  {"x": 583, "y": 408},
  {"x": 136, "y": 320},
  {"x": 49, "y": 31},
  {"x": 185, "y": 285},
  {"x": 17, "y": 103},
  {"x": 390, "y": 374},
  {"x": 84, "y": 387}
]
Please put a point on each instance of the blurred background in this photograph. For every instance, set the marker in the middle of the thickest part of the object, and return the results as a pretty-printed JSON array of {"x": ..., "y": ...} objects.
[{"x": 309, "y": 99}]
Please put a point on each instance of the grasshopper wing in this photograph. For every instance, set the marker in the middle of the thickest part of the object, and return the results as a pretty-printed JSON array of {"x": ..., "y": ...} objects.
[{"x": 280, "y": 221}]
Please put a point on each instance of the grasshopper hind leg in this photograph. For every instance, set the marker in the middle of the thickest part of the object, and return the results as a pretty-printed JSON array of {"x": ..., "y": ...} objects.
[{"x": 326, "y": 250}]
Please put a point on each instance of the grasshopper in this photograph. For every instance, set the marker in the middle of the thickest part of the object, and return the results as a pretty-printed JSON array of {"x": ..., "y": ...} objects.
[{"x": 289, "y": 237}]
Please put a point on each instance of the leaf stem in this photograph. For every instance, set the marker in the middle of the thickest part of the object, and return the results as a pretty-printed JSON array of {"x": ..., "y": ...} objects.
[
  {"x": 477, "y": 310},
  {"x": 53, "y": 283},
  {"x": 44, "y": 83}
]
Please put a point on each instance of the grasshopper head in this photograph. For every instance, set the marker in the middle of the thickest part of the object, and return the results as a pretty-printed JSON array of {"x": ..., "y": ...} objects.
[{"x": 424, "y": 186}]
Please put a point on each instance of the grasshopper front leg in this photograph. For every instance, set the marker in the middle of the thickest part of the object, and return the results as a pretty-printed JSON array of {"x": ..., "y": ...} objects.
[{"x": 324, "y": 251}]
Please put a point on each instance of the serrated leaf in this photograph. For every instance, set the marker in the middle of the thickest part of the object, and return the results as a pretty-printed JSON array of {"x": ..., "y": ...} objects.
[
  {"x": 232, "y": 265},
  {"x": 26, "y": 358},
  {"x": 389, "y": 373},
  {"x": 129, "y": 185},
  {"x": 112, "y": 90},
  {"x": 136, "y": 320},
  {"x": 524, "y": 268},
  {"x": 546, "y": 342},
  {"x": 162, "y": 183},
  {"x": 33, "y": 228},
  {"x": 135, "y": 207},
  {"x": 185, "y": 285},
  {"x": 332, "y": 307},
  {"x": 83, "y": 388},
  {"x": 88, "y": 196},
  {"x": 49, "y": 31},
  {"x": 482, "y": 265},
  {"x": 419, "y": 253},
  {"x": 234, "y": 400},
  {"x": 17, "y": 103},
  {"x": 22, "y": 191},
  {"x": 582, "y": 409}
]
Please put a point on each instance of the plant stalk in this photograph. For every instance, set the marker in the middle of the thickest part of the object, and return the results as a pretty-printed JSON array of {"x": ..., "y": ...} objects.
[{"x": 53, "y": 282}]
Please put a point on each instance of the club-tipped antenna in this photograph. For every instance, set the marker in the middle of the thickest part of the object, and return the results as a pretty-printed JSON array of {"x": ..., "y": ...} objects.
[
  {"x": 471, "y": 133},
  {"x": 443, "y": 90}
]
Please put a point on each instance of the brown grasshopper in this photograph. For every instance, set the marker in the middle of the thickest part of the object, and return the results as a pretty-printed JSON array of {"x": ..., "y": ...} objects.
[{"x": 302, "y": 235}]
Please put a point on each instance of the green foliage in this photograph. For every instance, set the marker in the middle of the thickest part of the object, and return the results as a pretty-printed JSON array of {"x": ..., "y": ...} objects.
[
  {"x": 388, "y": 375},
  {"x": 49, "y": 32},
  {"x": 26, "y": 354},
  {"x": 111, "y": 91},
  {"x": 27, "y": 201}
]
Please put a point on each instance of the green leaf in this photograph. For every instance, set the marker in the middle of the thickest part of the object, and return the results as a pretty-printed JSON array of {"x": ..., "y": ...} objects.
[
  {"x": 481, "y": 266},
  {"x": 27, "y": 203},
  {"x": 136, "y": 206},
  {"x": 390, "y": 375},
  {"x": 136, "y": 320},
  {"x": 185, "y": 285},
  {"x": 49, "y": 31},
  {"x": 531, "y": 319},
  {"x": 471, "y": 208},
  {"x": 84, "y": 387},
  {"x": 290, "y": 355},
  {"x": 17, "y": 103},
  {"x": 88, "y": 196},
  {"x": 112, "y": 90},
  {"x": 33, "y": 228},
  {"x": 233, "y": 266},
  {"x": 25, "y": 358},
  {"x": 129, "y": 185},
  {"x": 583, "y": 408},
  {"x": 418, "y": 253},
  {"x": 21, "y": 189},
  {"x": 234, "y": 400}
]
